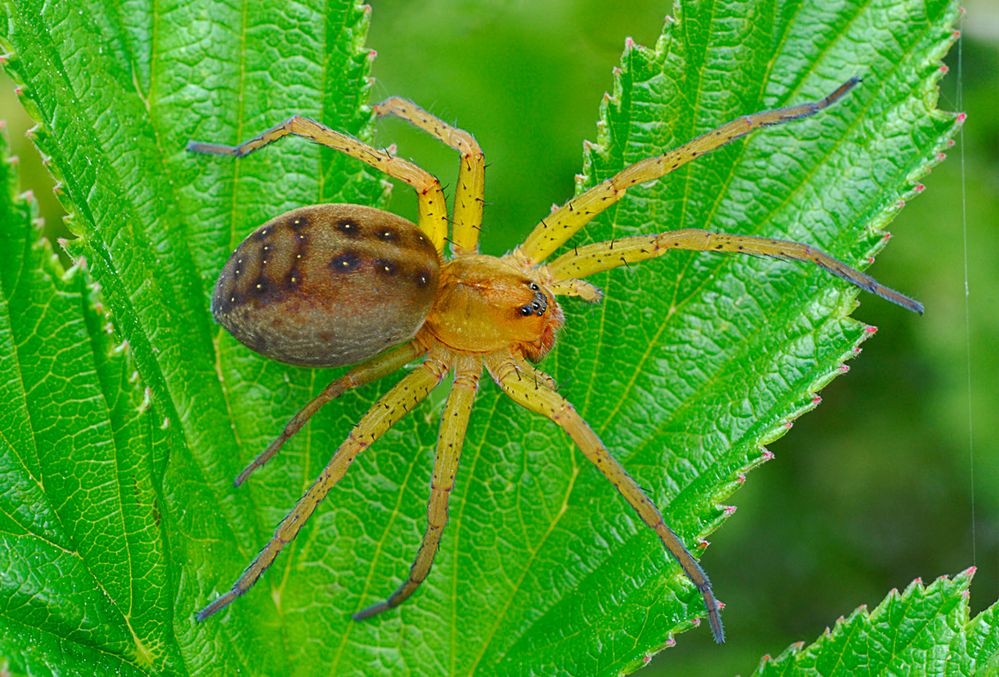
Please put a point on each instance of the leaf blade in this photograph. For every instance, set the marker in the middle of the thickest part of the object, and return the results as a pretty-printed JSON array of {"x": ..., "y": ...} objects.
[
  {"x": 505, "y": 582},
  {"x": 925, "y": 630},
  {"x": 80, "y": 512}
]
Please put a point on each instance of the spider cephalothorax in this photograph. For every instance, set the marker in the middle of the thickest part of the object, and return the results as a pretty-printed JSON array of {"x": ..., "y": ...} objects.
[
  {"x": 336, "y": 284},
  {"x": 486, "y": 304}
]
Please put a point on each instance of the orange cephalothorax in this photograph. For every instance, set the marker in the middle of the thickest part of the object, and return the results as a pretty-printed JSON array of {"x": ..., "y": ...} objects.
[{"x": 484, "y": 304}]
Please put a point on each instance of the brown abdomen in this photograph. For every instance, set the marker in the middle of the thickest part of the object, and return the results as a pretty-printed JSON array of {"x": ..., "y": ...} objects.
[{"x": 327, "y": 285}]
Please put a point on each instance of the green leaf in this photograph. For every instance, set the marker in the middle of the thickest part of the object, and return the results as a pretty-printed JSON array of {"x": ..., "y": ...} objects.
[
  {"x": 927, "y": 630},
  {"x": 689, "y": 366},
  {"x": 86, "y": 582}
]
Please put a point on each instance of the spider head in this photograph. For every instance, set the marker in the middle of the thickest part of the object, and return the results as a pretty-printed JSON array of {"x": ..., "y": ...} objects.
[
  {"x": 484, "y": 304},
  {"x": 541, "y": 318}
]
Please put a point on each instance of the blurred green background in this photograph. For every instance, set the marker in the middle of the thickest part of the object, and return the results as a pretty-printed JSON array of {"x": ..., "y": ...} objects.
[{"x": 872, "y": 489}]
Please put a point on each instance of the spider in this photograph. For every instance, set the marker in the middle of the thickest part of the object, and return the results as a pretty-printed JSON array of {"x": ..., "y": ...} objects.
[{"x": 338, "y": 284}]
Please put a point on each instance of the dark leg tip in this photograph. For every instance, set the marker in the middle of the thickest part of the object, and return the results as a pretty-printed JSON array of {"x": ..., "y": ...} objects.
[
  {"x": 196, "y": 147},
  {"x": 717, "y": 630},
  {"x": 217, "y": 605},
  {"x": 213, "y": 149},
  {"x": 370, "y": 611},
  {"x": 245, "y": 474}
]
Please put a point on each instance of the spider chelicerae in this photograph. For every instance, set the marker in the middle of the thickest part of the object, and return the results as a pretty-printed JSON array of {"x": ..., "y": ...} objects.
[{"x": 338, "y": 284}]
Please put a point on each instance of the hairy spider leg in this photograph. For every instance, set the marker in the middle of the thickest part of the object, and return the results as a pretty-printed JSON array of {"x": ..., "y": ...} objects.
[
  {"x": 430, "y": 195},
  {"x": 385, "y": 413},
  {"x": 540, "y": 399},
  {"x": 579, "y": 288},
  {"x": 533, "y": 375},
  {"x": 557, "y": 228},
  {"x": 377, "y": 367},
  {"x": 454, "y": 422},
  {"x": 600, "y": 256},
  {"x": 470, "y": 195}
]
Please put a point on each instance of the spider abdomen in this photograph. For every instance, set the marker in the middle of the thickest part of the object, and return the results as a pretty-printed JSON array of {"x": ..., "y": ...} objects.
[{"x": 327, "y": 285}]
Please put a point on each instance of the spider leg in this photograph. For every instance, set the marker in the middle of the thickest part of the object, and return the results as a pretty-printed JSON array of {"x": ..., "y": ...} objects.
[
  {"x": 452, "y": 435},
  {"x": 377, "y": 367},
  {"x": 556, "y": 229},
  {"x": 574, "y": 287},
  {"x": 432, "y": 205},
  {"x": 600, "y": 256},
  {"x": 525, "y": 371},
  {"x": 470, "y": 194},
  {"x": 550, "y": 404},
  {"x": 383, "y": 415}
]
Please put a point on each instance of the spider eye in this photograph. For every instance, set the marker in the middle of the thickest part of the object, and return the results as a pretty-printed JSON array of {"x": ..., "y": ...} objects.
[{"x": 539, "y": 305}]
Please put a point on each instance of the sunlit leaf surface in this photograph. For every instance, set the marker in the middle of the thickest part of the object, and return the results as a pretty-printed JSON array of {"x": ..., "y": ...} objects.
[{"x": 691, "y": 364}]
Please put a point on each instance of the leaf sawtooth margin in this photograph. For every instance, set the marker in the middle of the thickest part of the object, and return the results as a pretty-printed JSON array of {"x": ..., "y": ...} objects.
[
  {"x": 925, "y": 630},
  {"x": 632, "y": 601},
  {"x": 85, "y": 585}
]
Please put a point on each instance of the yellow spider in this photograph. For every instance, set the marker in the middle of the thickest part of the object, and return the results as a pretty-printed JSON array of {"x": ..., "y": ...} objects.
[{"x": 335, "y": 284}]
